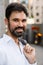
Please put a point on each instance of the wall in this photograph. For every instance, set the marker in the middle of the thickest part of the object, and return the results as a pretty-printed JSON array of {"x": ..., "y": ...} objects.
[{"x": 2, "y": 28}]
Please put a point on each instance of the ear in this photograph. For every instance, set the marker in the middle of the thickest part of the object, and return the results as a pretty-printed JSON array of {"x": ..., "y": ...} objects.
[
  {"x": 6, "y": 24},
  {"x": 6, "y": 21}
]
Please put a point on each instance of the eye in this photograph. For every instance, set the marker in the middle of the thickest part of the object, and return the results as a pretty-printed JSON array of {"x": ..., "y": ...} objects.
[
  {"x": 24, "y": 20},
  {"x": 15, "y": 20}
]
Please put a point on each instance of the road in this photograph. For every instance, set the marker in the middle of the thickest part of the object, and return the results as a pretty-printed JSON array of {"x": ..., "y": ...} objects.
[{"x": 39, "y": 53}]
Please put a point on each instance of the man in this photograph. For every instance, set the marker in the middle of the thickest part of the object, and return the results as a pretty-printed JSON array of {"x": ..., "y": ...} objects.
[{"x": 12, "y": 51}]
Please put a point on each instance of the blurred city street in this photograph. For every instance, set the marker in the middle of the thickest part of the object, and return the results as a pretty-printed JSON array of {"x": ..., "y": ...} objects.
[{"x": 39, "y": 53}]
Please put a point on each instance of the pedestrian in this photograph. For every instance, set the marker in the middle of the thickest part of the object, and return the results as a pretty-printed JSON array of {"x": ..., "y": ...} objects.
[{"x": 12, "y": 51}]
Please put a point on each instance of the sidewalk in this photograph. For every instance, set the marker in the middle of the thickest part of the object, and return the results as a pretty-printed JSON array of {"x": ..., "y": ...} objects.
[{"x": 39, "y": 53}]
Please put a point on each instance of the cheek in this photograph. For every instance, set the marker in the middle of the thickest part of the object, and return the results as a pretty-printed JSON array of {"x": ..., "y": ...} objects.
[
  {"x": 25, "y": 25},
  {"x": 13, "y": 25}
]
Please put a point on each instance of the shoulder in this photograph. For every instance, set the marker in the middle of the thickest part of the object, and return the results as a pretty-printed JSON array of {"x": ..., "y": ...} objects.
[
  {"x": 2, "y": 44},
  {"x": 1, "y": 39}
]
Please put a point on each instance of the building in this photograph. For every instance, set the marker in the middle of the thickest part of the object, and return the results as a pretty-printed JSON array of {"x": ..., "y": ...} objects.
[{"x": 37, "y": 10}]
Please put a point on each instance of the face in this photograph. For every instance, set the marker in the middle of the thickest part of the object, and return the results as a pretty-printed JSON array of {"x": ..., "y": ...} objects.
[{"x": 17, "y": 23}]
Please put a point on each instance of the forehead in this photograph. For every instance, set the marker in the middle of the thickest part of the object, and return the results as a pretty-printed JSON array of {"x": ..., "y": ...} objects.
[{"x": 17, "y": 14}]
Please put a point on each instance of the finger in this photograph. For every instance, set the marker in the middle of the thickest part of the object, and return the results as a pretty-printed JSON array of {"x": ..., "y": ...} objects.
[
  {"x": 27, "y": 45},
  {"x": 27, "y": 48}
]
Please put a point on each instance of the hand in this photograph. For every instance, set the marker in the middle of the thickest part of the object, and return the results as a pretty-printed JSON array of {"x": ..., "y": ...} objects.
[{"x": 29, "y": 53}]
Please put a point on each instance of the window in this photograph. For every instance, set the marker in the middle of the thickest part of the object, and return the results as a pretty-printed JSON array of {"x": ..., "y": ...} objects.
[
  {"x": 37, "y": 14},
  {"x": 42, "y": 6},
  {"x": 37, "y": 0},
  {"x": 37, "y": 7},
  {"x": 31, "y": 7},
  {"x": 24, "y": 1},
  {"x": 37, "y": 20}
]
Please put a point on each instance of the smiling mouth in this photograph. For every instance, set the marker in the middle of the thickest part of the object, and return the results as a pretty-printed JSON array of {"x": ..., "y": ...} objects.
[{"x": 19, "y": 30}]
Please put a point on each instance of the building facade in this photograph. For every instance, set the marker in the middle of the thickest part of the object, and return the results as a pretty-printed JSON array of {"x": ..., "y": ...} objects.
[{"x": 37, "y": 10}]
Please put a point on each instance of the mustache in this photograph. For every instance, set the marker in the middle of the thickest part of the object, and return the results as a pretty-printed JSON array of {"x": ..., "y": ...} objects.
[{"x": 19, "y": 28}]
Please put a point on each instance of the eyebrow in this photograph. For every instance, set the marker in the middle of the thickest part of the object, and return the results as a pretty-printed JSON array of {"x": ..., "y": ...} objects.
[
  {"x": 18, "y": 19},
  {"x": 24, "y": 20}
]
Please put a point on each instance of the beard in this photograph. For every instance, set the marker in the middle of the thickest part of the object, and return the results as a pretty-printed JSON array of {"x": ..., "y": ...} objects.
[{"x": 14, "y": 31}]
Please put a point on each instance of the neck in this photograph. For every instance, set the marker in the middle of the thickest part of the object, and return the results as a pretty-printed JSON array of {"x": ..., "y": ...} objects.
[{"x": 13, "y": 37}]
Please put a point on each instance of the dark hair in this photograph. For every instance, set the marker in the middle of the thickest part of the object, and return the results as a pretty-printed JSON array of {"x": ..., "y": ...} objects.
[{"x": 15, "y": 7}]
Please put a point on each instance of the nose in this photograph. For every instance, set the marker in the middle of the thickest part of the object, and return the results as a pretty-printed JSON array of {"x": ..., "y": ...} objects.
[{"x": 20, "y": 23}]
